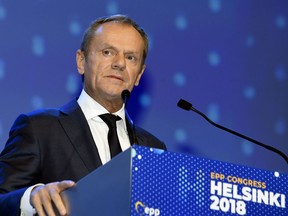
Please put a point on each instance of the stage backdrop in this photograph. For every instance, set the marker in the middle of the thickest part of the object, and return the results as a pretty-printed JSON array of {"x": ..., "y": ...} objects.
[{"x": 229, "y": 58}]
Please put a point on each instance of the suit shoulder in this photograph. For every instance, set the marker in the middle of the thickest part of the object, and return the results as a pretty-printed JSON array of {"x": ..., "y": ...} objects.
[
  {"x": 44, "y": 112},
  {"x": 53, "y": 112}
]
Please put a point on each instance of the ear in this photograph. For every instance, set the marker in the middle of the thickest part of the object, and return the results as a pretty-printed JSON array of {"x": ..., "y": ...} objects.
[
  {"x": 80, "y": 60},
  {"x": 140, "y": 75}
]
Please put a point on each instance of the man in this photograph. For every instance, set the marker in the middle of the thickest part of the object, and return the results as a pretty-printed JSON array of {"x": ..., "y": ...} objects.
[{"x": 57, "y": 147}]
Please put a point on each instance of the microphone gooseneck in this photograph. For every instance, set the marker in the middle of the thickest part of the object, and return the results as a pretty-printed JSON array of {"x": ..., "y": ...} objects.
[
  {"x": 188, "y": 106},
  {"x": 125, "y": 96}
]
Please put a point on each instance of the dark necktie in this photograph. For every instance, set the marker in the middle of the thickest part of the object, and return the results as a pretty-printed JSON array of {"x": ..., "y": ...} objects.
[{"x": 113, "y": 140}]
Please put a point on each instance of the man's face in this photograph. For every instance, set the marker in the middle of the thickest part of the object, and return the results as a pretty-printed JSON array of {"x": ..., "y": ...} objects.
[{"x": 113, "y": 63}]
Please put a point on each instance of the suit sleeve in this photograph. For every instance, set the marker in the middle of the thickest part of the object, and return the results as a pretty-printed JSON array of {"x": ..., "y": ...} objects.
[{"x": 19, "y": 162}]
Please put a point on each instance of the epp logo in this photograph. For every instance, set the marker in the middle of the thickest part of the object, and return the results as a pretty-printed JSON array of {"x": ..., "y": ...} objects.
[{"x": 142, "y": 209}]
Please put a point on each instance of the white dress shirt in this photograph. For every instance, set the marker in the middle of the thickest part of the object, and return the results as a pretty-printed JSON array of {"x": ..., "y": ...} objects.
[{"x": 99, "y": 130}]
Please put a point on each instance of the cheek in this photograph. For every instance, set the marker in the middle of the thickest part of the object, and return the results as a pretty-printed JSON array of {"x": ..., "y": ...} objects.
[
  {"x": 135, "y": 74},
  {"x": 91, "y": 76},
  {"x": 94, "y": 69},
  {"x": 132, "y": 80}
]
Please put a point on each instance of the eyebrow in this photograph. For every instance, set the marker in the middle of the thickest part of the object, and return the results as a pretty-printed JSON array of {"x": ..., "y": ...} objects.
[{"x": 108, "y": 46}]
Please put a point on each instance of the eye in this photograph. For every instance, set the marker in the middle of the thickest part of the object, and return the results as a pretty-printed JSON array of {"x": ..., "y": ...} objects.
[
  {"x": 108, "y": 52},
  {"x": 131, "y": 58}
]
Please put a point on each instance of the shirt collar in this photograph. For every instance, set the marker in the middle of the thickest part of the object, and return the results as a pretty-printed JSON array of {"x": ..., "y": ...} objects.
[{"x": 91, "y": 108}]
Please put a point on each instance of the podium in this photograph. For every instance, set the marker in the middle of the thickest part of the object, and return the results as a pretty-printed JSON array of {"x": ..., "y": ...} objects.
[{"x": 147, "y": 181}]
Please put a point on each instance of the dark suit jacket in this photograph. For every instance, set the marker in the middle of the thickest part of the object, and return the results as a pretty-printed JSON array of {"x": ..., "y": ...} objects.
[{"x": 51, "y": 145}]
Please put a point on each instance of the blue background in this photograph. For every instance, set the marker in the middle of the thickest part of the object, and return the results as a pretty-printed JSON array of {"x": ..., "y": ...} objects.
[{"x": 229, "y": 58}]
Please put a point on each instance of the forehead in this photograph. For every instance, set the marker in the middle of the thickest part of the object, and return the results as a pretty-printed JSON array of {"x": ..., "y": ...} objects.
[{"x": 120, "y": 34}]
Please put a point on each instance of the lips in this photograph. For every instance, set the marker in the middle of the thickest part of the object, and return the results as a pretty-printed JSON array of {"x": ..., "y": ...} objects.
[{"x": 115, "y": 77}]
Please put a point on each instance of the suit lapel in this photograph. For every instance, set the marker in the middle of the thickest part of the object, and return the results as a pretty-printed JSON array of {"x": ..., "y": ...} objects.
[{"x": 77, "y": 129}]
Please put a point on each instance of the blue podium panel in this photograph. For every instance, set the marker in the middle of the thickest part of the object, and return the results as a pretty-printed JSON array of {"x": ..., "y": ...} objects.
[
  {"x": 104, "y": 192},
  {"x": 166, "y": 183}
]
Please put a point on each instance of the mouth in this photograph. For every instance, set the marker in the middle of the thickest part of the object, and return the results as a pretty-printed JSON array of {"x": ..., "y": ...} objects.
[{"x": 115, "y": 77}]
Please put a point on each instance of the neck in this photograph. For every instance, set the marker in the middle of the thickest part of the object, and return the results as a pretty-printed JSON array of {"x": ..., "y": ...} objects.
[
  {"x": 112, "y": 107},
  {"x": 110, "y": 103}
]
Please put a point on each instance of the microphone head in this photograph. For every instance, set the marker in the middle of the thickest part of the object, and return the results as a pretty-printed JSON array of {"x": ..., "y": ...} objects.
[
  {"x": 184, "y": 104},
  {"x": 125, "y": 95}
]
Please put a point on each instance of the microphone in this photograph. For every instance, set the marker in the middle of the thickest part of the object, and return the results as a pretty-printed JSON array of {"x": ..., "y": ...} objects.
[
  {"x": 125, "y": 96},
  {"x": 188, "y": 106}
]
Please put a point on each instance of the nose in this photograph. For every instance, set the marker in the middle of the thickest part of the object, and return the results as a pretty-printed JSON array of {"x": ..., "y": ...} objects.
[{"x": 119, "y": 62}]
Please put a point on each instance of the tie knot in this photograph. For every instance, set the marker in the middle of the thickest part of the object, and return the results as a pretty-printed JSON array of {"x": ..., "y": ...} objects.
[{"x": 110, "y": 119}]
